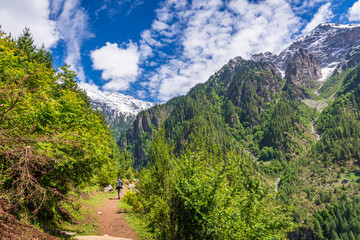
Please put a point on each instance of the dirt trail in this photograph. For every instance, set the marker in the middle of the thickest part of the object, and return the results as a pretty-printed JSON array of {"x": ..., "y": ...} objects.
[{"x": 112, "y": 223}]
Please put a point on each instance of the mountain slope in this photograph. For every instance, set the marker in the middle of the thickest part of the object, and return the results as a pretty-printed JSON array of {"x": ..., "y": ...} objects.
[
  {"x": 326, "y": 179},
  {"x": 233, "y": 109},
  {"x": 248, "y": 107}
]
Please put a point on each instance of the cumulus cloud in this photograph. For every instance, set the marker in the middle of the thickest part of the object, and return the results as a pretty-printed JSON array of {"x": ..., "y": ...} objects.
[
  {"x": 119, "y": 65},
  {"x": 15, "y": 15},
  {"x": 323, "y": 15},
  {"x": 206, "y": 34},
  {"x": 72, "y": 22},
  {"x": 354, "y": 12}
]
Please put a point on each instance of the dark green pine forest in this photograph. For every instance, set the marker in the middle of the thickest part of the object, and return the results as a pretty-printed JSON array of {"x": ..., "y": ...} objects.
[{"x": 246, "y": 155}]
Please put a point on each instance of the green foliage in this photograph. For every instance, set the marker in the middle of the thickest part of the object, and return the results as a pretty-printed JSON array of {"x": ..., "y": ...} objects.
[
  {"x": 334, "y": 83},
  {"x": 281, "y": 122},
  {"x": 340, "y": 128},
  {"x": 339, "y": 221},
  {"x": 25, "y": 44},
  {"x": 246, "y": 106},
  {"x": 51, "y": 141},
  {"x": 205, "y": 194},
  {"x": 227, "y": 109},
  {"x": 124, "y": 163}
]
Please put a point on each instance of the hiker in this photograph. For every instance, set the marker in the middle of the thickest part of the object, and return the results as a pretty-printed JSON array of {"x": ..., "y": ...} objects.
[{"x": 119, "y": 185}]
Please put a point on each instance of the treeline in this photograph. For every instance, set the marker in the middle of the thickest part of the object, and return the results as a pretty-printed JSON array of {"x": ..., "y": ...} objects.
[{"x": 51, "y": 141}]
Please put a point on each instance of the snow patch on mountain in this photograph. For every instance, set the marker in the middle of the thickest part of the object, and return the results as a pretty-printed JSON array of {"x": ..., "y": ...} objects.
[
  {"x": 114, "y": 104},
  {"x": 327, "y": 71}
]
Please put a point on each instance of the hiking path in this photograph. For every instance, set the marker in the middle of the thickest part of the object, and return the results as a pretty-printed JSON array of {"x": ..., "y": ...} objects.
[{"x": 111, "y": 222}]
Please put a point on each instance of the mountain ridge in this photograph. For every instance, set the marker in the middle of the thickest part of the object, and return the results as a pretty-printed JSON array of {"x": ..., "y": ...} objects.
[{"x": 330, "y": 43}]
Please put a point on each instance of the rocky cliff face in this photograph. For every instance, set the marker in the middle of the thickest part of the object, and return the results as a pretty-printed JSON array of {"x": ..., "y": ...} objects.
[
  {"x": 142, "y": 129},
  {"x": 329, "y": 43},
  {"x": 303, "y": 69}
]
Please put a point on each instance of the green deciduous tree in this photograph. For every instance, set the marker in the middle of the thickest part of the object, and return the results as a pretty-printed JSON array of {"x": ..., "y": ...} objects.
[{"x": 51, "y": 141}]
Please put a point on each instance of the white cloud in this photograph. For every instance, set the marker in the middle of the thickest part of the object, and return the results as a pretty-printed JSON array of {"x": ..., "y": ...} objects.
[
  {"x": 73, "y": 25},
  {"x": 89, "y": 87},
  {"x": 305, "y": 6},
  {"x": 208, "y": 33},
  {"x": 119, "y": 65},
  {"x": 323, "y": 15},
  {"x": 141, "y": 94},
  {"x": 15, "y": 15},
  {"x": 354, "y": 12}
]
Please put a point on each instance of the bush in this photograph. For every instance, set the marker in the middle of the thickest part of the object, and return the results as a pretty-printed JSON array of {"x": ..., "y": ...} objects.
[
  {"x": 131, "y": 198},
  {"x": 204, "y": 194}
]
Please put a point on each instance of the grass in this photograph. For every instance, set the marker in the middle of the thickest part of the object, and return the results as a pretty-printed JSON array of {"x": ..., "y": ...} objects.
[
  {"x": 136, "y": 221},
  {"x": 353, "y": 176},
  {"x": 333, "y": 84},
  {"x": 85, "y": 219}
]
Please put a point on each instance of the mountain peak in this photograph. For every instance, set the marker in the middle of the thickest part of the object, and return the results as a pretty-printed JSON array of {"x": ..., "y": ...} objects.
[
  {"x": 338, "y": 25},
  {"x": 329, "y": 43},
  {"x": 115, "y": 102}
]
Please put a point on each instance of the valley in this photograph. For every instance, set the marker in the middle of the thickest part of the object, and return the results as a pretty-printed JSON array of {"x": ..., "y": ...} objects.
[{"x": 267, "y": 148}]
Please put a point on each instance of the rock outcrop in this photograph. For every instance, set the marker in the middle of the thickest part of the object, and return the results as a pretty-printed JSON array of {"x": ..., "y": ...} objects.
[
  {"x": 303, "y": 69},
  {"x": 329, "y": 43}
]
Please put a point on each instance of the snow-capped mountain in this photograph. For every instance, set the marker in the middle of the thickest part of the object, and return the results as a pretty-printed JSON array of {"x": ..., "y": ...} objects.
[
  {"x": 120, "y": 110},
  {"x": 329, "y": 43},
  {"x": 115, "y": 104}
]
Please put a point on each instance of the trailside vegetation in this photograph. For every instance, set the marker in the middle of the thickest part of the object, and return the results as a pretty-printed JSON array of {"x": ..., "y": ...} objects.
[
  {"x": 51, "y": 140},
  {"x": 206, "y": 194}
]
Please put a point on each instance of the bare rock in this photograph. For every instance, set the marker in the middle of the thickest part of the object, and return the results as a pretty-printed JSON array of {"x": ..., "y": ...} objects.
[
  {"x": 109, "y": 189},
  {"x": 303, "y": 69}
]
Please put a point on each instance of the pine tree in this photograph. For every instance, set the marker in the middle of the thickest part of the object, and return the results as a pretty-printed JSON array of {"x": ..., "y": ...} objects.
[{"x": 25, "y": 43}]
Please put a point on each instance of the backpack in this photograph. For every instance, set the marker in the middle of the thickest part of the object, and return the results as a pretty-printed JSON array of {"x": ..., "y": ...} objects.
[{"x": 119, "y": 183}]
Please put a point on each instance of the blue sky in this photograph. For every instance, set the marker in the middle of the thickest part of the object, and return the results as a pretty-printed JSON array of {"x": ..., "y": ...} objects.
[{"x": 155, "y": 50}]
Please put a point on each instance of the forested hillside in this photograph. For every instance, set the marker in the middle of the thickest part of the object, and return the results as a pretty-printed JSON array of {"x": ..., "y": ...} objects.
[
  {"x": 239, "y": 106},
  {"x": 308, "y": 138},
  {"x": 204, "y": 193},
  {"x": 52, "y": 143},
  {"x": 324, "y": 183}
]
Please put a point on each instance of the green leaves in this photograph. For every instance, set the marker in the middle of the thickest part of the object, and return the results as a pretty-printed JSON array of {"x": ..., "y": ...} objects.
[
  {"x": 51, "y": 141},
  {"x": 25, "y": 44},
  {"x": 206, "y": 194}
]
